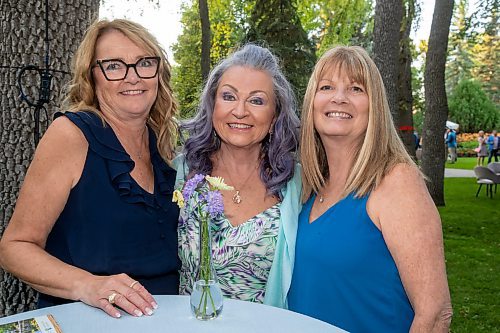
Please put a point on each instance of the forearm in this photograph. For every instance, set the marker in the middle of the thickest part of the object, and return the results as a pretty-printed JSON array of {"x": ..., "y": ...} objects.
[{"x": 40, "y": 270}]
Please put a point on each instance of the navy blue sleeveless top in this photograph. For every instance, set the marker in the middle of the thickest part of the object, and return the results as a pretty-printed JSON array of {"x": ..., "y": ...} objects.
[
  {"x": 111, "y": 225},
  {"x": 344, "y": 273}
]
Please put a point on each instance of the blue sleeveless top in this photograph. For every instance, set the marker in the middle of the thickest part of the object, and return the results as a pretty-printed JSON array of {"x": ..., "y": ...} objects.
[
  {"x": 110, "y": 225},
  {"x": 344, "y": 273}
]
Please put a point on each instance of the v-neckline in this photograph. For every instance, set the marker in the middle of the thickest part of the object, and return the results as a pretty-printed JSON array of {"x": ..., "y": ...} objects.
[
  {"x": 329, "y": 209},
  {"x": 226, "y": 220}
]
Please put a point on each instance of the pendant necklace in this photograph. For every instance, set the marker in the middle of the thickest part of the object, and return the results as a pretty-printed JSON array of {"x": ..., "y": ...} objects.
[{"x": 237, "y": 197}]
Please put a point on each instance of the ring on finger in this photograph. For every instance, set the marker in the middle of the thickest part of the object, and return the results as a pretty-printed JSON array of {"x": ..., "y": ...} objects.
[
  {"x": 133, "y": 284},
  {"x": 111, "y": 298}
]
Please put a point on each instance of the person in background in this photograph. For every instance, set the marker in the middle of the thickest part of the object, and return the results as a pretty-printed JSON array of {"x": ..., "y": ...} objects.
[
  {"x": 482, "y": 149},
  {"x": 94, "y": 221},
  {"x": 417, "y": 140},
  {"x": 451, "y": 142},
  {"x": 245, "y": 131},
  {"x": 369, "y": 250},
  {"x": 494, "y": 145}
]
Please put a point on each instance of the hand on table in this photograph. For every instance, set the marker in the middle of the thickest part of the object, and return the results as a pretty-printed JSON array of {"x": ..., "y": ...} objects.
[{"x": 110, "y": 292}]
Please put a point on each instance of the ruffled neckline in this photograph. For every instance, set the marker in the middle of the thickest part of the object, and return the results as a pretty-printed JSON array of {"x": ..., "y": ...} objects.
[{"x": 104, "y": 142}]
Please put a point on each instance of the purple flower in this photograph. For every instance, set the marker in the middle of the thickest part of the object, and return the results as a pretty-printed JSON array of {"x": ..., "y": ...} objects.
[
  {"x": 191, "y": 185},
  {"x": 215, "y": 205}
]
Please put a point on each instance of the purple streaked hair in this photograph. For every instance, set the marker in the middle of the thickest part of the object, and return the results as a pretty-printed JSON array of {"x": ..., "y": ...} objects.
[{"x": 278, "y": 151}]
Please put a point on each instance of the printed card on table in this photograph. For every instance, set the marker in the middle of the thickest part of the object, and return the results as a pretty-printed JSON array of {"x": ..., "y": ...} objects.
[{"x": 42, "y": 324}]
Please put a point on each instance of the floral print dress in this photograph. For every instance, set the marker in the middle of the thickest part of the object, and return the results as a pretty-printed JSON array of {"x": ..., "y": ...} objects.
[{"x": 242, "y": 256}]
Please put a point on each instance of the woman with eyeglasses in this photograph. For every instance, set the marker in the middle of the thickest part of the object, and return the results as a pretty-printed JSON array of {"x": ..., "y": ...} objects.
[{"x": 94, "y": 221}]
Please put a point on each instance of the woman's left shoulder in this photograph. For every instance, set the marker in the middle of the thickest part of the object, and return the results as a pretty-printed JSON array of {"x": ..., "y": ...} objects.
[
  {"x": 403, "y": 175},
  {"x": 403, "y": 181},
  {"x": 402, "y": 195}
]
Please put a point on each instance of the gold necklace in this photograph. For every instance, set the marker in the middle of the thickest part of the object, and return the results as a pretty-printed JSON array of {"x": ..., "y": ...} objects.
[{"x": 237, "y": 197}]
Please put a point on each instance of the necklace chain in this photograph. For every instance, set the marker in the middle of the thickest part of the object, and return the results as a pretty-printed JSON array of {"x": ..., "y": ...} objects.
[
  {"x": 139, "y": 154},
  {"x": 237, "y": 197}
]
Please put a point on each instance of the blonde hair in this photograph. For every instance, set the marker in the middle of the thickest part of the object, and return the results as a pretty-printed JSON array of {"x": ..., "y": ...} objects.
[
  {"x": 81, "y": 90},
  {"x": 377, "y": 152}
]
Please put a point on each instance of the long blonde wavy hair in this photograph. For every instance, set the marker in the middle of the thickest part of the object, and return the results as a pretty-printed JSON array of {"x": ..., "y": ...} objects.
[
  {"x": 81, "y": 93},
  {"x": 376, "y": 153}
]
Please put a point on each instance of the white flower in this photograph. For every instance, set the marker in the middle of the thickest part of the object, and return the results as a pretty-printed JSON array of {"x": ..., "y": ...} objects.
[{"x": 218, "y": 183}]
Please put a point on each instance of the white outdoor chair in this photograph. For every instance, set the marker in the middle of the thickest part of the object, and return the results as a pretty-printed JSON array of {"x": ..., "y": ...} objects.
[
  {"x": 495, "y": 167},
  {"x": 487, "y": 177}
]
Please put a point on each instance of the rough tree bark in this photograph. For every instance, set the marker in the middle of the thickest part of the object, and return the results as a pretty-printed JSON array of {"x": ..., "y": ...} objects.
[
  {"x": 22, "y": 36},
  {"x": 388, "y": 17},
  {"x": 436, "y": 104},
  {"x": 205, "y": 39}
]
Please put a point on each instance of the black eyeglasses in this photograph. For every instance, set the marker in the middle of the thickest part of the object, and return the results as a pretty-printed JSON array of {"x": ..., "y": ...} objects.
[{"x": 116, "y": 69}]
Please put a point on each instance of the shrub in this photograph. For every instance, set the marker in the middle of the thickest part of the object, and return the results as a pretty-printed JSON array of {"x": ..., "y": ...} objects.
[{"x": 472, "y": 109}]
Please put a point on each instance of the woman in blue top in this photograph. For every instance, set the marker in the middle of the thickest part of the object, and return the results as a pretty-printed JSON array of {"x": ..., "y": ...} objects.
[
  {"x": 245, "y": 131},
  {"x": 369, "y": 249},
  {"x": 94, "y": 220}
]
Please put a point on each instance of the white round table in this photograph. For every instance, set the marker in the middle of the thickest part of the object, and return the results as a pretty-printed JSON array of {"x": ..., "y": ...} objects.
[{"x": 174, "y": 315}]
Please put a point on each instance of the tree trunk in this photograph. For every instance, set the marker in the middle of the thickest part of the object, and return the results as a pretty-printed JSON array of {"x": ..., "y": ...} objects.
[
  {"x": 22, "y": 43},
  {"x": 405, "y": 100},
  {"x": 205, "y": 39},
  {"x": 388, "y": 17},
  {"x": 435, "y": 101}
]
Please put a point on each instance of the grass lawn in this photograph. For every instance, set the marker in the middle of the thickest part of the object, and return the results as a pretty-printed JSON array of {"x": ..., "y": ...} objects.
[
  {"x": 471, "y": 228},
  {"x": 467, "y": 163}
]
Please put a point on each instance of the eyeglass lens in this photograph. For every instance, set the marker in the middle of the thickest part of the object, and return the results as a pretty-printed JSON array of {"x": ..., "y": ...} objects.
[{"x": 115, "y": 69}]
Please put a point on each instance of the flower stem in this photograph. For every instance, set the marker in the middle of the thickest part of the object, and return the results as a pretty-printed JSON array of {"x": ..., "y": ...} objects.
[{"x": 211, "y": 300}]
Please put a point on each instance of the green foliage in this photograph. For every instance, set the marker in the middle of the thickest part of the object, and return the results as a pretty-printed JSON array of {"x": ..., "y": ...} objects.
[
  {"x": 418, "y": 121},
  {"x": 332, "y": 22},
  {"x": 486, "y": 64},
  {"x": 468, "y": 144},
  {"x": 459, "y": 62},
  {"x": 186, "y": 77},
  {"x": 473, "y": 48},
  {"x": 228, "y": 19},
  {"x": 472, "y": 250},
  {"x": 472, "y": 109},
  {"x": 417, "y": 84},
  {"x": 277, "y": 25}
]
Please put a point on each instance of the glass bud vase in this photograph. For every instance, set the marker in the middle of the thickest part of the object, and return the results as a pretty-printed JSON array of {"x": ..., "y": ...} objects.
[{"x": 206, "y": 297}]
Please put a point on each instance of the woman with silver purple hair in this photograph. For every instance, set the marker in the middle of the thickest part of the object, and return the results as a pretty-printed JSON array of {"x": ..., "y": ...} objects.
[{"x": 245, "y": 131}]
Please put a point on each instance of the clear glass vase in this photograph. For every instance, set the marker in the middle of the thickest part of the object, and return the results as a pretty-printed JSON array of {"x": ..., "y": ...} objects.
[{"x": 206, "y": 297}]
